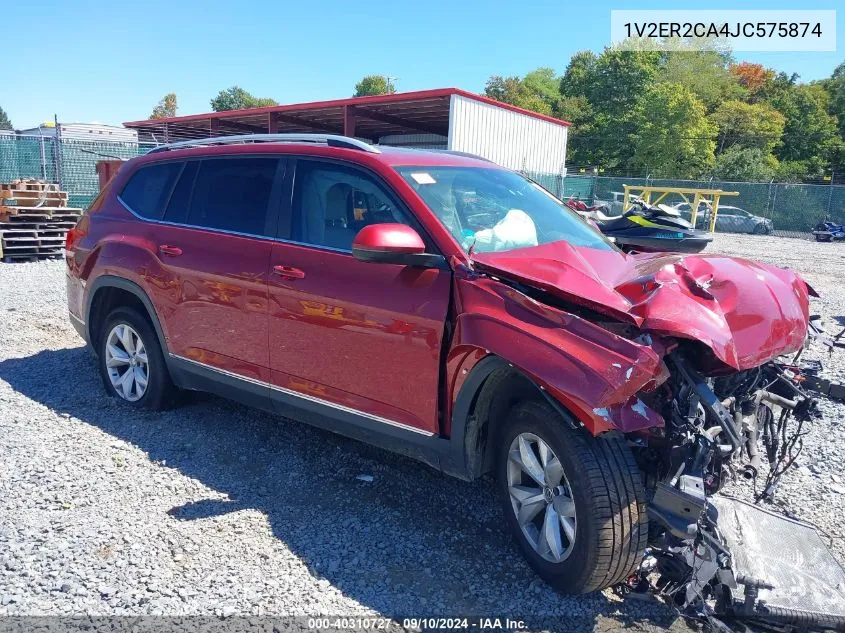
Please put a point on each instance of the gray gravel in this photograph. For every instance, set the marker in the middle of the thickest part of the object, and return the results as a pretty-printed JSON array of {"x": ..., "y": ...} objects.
[{"x": 215, "y": 509}]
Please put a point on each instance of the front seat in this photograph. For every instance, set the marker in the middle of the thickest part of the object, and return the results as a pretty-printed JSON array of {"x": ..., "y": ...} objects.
[{"x": 338, "y": 208}]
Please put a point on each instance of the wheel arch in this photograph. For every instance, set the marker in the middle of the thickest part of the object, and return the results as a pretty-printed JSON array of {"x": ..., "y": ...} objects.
[
  {"x": 106, "y": 293},
  {"x": 480, "y": 410}
]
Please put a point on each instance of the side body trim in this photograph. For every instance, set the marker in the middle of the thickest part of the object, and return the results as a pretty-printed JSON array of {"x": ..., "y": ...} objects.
[{"x": 303, "y": 396}]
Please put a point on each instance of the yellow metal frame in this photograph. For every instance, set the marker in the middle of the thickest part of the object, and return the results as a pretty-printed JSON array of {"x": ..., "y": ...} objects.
[{"x": 711, "y": 196}]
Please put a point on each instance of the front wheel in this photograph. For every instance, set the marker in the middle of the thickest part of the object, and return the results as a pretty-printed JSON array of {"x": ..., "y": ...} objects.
[{"x": 574, "y": 503}]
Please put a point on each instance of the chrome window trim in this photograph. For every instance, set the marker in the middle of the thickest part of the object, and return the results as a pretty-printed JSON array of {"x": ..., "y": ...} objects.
[
  {"x": 191, "y": 226},
  {"x": 320, "y": 401},
  {"x": 227, "y": 232}
]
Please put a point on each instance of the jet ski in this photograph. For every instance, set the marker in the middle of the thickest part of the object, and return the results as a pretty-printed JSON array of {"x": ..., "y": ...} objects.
[{"x": 647, "y": 228}]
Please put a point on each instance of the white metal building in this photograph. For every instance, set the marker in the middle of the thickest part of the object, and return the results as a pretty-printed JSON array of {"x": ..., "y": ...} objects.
[{"x": 94, "y": 132}]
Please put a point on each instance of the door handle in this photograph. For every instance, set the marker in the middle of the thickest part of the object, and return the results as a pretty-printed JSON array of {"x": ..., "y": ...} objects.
[
  {"x": 288, "y": 272},
  {"x": 170, "y": 251}
]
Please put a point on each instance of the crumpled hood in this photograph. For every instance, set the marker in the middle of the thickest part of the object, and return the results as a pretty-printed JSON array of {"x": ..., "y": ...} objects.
[{"x": 745, "y": 311}]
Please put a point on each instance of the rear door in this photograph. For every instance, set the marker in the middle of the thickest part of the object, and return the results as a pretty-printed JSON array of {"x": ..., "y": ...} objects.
[
  {"x": 357, "y": 337},
  {"x": 214, "y": 246}
]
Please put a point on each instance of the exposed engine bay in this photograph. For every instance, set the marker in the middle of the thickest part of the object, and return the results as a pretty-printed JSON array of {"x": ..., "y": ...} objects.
[
  {"x": 701, "y": 558},
  {"x": 682, "y": 355}
]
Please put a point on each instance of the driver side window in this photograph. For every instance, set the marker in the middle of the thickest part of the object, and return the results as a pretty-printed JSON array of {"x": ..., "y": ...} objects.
[{"x": 331, "y": 203}]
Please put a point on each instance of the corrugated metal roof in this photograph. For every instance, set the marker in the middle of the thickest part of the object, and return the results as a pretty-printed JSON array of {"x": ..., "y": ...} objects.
[{"x": 420, "y": 112}]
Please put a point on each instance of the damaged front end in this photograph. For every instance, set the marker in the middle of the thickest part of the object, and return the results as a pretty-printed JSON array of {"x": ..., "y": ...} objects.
[
  {"x": 706, "y": 549},
  {"x": 715, "y": 404}
]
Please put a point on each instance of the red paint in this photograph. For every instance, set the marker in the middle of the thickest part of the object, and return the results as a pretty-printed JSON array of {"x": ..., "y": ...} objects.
[
  {"x": 745, "y": 311},
  {"x": 369, "y": 336},
  {"x": 584, "y": 366},
  {"x": 389, "y": 238},
  {"x": 365, "y": 336}
]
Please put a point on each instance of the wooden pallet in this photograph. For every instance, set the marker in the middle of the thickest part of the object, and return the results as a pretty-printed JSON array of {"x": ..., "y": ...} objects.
[
  {"x": 33, "y": 198},
  {"x": 34, "y": 220},
  {"x": 27, "y": 184},
  {"x": 9, "y": 258},
  {"x": 64, "y": 213}
]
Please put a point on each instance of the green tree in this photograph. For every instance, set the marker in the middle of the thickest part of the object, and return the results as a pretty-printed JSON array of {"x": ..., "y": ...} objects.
[
  {"x": 579, "y": 113},
  {"x": 745, "y": 164},
  {"x": 612, "y": 84},
  {"x": 810, "y": 133},
  {"x": 579, "y": 75},
  {"x": 514, "y": 91},
  {"x": 165, "y": 108},
  {"x": 545, "y": 84},
  {"x": 5, "y": 123},
  {"x": 673, "y": 136},
  {"x": 705, "y": 73},
  {"x": 748, "y": 125},
  {"x": 374, "y": 85},
  {"x": 835, "y": 87},
  {"x": 620, "y": 78},
  {"x": 791, "y": 171},
  {"x": 236, "y": 98}
]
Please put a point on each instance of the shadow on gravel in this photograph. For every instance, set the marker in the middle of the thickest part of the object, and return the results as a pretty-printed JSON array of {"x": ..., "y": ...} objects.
[{"x": 412, "y": 542}]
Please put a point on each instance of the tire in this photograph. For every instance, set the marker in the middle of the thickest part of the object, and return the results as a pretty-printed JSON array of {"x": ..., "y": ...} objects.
[
  {"x": 605, "y": 484},
  {"x": 761, "y": 229},
  {"x": 159, "y": 392}
]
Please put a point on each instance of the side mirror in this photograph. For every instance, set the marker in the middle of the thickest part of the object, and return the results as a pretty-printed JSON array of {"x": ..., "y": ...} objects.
[{"x": 391, "y": 243}]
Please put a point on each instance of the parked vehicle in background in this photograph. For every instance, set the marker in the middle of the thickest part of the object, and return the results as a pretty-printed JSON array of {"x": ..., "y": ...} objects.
[
  {"x": 729, "y": 220},
  {"x": 449, "y": 309},
  {"x": 828, "y": 231},
  {"x": 614, "y": 204},
  {"x": 645, "y": 228}
]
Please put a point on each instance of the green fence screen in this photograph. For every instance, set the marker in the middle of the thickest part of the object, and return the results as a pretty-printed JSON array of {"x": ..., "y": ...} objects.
[
  {"x": 69, "y": 163},
  {"x": 793, "y": 208}
]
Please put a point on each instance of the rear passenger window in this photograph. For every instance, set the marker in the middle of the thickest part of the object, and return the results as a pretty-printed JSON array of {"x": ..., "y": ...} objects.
[
  {"x": 147, "y": 191},
  {"x": 180, "y": 199},
  {"x": 233, "y": 194}
]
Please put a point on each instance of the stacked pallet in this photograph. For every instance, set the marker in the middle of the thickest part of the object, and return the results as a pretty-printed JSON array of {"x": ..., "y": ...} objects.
[{"x": 34, "y": 219}]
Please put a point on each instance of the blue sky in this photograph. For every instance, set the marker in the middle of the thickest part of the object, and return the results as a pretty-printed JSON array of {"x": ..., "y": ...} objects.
[{"x": 112, "y": 61}]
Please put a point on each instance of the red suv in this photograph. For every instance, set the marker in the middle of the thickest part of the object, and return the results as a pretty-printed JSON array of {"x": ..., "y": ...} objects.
[{"x": 436, "y": 304}]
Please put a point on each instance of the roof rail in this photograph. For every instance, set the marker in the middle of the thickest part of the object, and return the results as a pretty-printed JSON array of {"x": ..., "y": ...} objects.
[
  {"x": 332, "y": 140},
  {"x": 455, "y": 152}
]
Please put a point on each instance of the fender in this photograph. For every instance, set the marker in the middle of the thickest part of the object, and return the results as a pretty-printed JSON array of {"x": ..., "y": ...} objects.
[
  {"x": 111, "y": 281},
  {"x": 586, "y": 369}
]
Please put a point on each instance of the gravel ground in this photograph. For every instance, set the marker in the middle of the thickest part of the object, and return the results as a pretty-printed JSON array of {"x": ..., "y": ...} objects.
[{"x": 215, "y": 509}]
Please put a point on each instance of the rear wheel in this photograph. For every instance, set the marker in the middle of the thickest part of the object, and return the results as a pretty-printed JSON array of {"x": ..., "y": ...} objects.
[
  {"x": 574, "y": 503},
  {"x": 131, "y": 362}
]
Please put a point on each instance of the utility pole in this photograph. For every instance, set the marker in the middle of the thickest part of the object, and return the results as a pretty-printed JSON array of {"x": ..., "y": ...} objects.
[
  {"x": 391, "y": 84},
  {"x": 57, "y": 146}
]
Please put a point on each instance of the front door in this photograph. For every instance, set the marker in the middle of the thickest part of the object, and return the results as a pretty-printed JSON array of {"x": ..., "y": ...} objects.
[{"x": 360, "y": 337}]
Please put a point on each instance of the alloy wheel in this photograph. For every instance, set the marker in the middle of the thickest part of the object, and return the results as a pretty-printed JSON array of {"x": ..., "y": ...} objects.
[
  {"x": 127, "y": 363},
  {"x": 541, "y": 497}
]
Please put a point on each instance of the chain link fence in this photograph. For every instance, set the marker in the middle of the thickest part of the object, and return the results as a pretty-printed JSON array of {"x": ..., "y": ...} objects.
[
  {"x": 794, "y": 209},
  {"x": 69, "y": 163}
]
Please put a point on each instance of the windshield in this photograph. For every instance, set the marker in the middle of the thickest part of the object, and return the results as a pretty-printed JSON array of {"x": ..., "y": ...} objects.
[{"x": 493, "y": 209}]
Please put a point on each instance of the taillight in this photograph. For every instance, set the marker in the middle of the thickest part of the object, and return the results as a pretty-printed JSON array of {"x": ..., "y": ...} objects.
[{"x": 76, "y": 233}]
